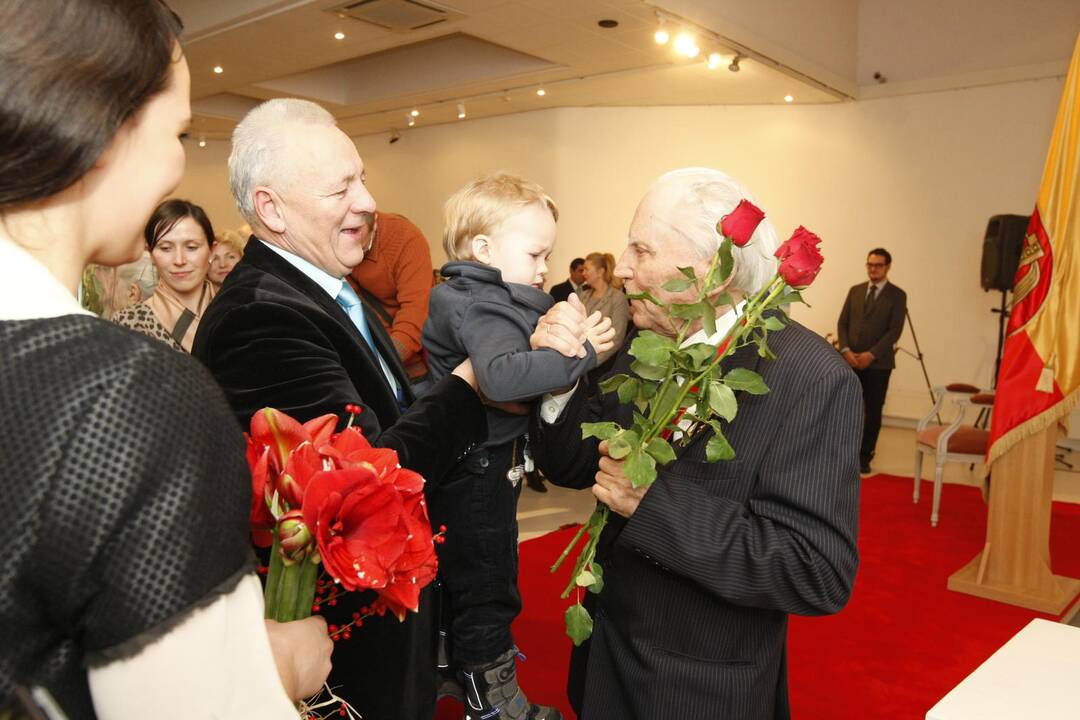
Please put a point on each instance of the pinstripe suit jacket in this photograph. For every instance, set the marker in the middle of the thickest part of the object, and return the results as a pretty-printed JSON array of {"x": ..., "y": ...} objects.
[{"x": 699, "y": 582}]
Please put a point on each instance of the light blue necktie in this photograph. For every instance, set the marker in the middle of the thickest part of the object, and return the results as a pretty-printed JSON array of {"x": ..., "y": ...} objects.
[{"x": 350, "y": 301}]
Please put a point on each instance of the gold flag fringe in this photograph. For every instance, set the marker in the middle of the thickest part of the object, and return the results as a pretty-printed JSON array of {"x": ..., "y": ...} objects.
[{"x": 1032, "y": 427}]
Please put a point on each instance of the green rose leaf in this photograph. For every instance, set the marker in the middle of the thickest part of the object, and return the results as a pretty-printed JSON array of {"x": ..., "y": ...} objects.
[
  {"x": 628, "y": 391},
  {"x": 578, "y": 623},
  {"x": 700, "y": 353},
  {"x": 722, "y": 400},
  {"x": 622, "y": 444},
  {"x": 644, "y": 296},
  {"x": 614, "y": 382},
  {"x": 647, "y": 371},
  {"x": 651, "y": 348},
  {"x": 598, "y": 574},
  {"x": 772, "y": 322},
  {"x": 602, "y": 430},
  {"x": 661, "y": 451},
  {"x": 686, "y": 311},
  {"x": 718, "y": 448},
  {"x": 688, "y": 272},
  {"x": 678, "y": 285},
  {"x": 708, "y": 318},
  {"x": 640, "y": 468},
  {"x": 727, "y": 260},
  {"x": 746, "y": 380},
  {"x": 585, "y": 579}
]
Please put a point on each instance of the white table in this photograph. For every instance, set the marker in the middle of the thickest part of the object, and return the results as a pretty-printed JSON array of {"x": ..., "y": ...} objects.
[{"x": 1034, "y": 675}]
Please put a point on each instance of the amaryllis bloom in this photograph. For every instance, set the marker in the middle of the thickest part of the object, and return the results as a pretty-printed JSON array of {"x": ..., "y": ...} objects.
[
  {"x": 740, "y": 223},
  {"x": 800, "y": 259},
  {"x": 282, "y": 434},
  {"x": 260, "y": 519},
  {"x": 294, "y": 537}
]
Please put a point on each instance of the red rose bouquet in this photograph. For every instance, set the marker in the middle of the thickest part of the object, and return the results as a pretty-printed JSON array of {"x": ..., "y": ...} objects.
[
  {"x": 679, "y": 387},
  {"x": 321, "y": 498}
]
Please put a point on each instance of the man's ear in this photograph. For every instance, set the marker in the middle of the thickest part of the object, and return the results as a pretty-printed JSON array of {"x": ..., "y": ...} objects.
[
  {"x": 268, "y": 208},
  {"x": 481, "y": 249},
  {"x": 134, "y": 293}
]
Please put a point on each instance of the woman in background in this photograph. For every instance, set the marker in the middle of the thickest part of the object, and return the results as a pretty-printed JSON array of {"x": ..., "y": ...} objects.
[
  {"x": 179, "y": 236},
  {"x": 128, "y": 588},
  {"x": 601, "y": 294},
  {"x": 227, "y": 251}
]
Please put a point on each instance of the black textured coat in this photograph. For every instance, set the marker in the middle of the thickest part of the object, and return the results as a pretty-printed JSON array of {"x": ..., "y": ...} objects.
[
  {"x": 273, "y": 338},
  {"x": 699, "y": 582}
]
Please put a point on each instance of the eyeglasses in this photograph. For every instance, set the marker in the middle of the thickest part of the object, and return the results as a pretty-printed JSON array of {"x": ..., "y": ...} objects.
[{"x": 876, "y": 265}]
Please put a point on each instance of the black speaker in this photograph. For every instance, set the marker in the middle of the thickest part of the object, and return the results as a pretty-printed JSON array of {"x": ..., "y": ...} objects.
[{"x": 1001, "y": 250}]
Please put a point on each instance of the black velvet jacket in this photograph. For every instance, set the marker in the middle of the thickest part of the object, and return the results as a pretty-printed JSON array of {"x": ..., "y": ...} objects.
[{"x": 273, "y": 338}]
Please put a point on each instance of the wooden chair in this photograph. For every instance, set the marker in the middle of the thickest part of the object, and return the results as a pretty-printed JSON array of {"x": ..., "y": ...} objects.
[{"x": 955, "y": 442}]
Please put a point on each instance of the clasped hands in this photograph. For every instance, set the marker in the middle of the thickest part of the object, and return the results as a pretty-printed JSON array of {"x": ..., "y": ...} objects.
[
  {"x": 859, "y": 361},
  {"x": 565, "y": 328}
]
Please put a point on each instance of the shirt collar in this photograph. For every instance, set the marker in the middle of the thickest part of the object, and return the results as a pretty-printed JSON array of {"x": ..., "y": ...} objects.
[
  {"x": 723, "y": 324},
  {"x": 28, "y": 290},
  {"x": 330, "y": 284},
  {"x": 879, "y": 285}
]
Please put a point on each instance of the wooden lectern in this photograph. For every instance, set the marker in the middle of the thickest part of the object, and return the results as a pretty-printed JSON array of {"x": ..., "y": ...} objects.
[{"x": 1014, "y": 565}]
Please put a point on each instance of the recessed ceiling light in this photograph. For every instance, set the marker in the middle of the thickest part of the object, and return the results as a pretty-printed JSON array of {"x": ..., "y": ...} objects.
[
  {"x": 789, "y": 98},
  {"x": 414, "y": 112},
  {"x": 607, "y": 24},
  {"x": 339, "y": 36},
  {"x": 202, "y": 142},
  {"x": 541, "y": 92},
  {"x": 218, "y": 69},
  {"x": 412, "y": 122},
  {"x": 461, "y": 111}
]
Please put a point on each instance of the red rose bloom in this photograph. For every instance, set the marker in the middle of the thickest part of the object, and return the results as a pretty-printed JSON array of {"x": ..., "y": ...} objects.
[
  {"x": 740, "y": 223},
  {"x": 800, "y": 259}
]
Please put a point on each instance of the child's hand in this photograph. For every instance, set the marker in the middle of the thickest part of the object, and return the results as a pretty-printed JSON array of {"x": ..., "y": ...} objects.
[{"x": 599, "y": 332}]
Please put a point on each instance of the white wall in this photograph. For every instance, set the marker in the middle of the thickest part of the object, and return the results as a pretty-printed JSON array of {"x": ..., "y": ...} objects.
[{"x": 918, "y": 174}]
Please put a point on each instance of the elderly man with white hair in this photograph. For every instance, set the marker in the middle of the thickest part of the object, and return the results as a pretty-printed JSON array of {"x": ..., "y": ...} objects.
[
  {"x": 286, "y": 331},
  {"x": 702, "y": 568}
]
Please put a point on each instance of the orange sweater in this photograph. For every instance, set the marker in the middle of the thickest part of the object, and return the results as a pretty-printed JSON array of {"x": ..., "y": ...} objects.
[{"x": 397, "y": 271}]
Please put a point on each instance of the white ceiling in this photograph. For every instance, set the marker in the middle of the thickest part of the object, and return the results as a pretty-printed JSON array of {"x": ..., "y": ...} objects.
[{"x": 494, "y": 54}]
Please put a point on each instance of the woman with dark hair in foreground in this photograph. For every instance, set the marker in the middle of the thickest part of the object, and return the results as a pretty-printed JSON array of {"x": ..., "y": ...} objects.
[{"x": 127, "y": 586}]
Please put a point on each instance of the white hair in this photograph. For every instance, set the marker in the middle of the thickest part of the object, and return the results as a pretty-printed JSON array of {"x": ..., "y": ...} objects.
[
  {"x": 704, "y": 197},
  {"x": 256, "y": 146},
  {"x": 141, "y": 273}
]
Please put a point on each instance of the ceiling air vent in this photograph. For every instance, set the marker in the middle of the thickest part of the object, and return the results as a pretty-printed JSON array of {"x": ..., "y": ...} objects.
[{"x": 397, "y": 15}]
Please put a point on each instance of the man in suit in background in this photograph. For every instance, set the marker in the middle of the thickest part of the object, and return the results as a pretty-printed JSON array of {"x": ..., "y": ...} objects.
[
  {"x": 869, "y": 327},
  {"x": 573, "y": 283},
  {"x": 702, "y": 568},
  {"x": 286, "y": 331}
]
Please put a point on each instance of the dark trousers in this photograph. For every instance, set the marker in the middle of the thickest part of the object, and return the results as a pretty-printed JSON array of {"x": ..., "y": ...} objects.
[
  {"x": 875, "y": 384},
  {"x": 478, "y": 563}
]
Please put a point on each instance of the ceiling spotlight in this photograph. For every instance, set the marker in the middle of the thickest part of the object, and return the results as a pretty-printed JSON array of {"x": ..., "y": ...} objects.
[
  {"x": 684, "y": 41},
  {"x": 218, "y": 69},
  {"x": 202, "y": 141},
  {"x": 461, "y": 111},
  {"x": 607, "y": 23},
  {"x": 661, "y": 36},
  {"x": 412, "y": 122},
  {"x": 541, "y": 92},
  {"x": 789, "y": 98},
  {"x": 414, "y": 112},
  {"x": 734, "y": 66},
  {"x": 339, "y": 36},
  {"x": 394, "y": 137},
  {"x": 693, "y": 51},
  {"x": 715, "y": 60}
]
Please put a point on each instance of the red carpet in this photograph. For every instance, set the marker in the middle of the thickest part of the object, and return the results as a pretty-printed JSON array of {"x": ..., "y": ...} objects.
[{"x": 900, "y": 645}]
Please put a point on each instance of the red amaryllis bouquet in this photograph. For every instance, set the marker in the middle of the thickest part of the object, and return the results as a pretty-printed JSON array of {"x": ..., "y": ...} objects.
[{"x": 330, "y": 499}]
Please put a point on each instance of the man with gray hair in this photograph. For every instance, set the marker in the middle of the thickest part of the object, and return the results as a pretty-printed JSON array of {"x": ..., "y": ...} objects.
[
  {"x": 702, "y": 568},
  {"x": 286, "y": 331}
]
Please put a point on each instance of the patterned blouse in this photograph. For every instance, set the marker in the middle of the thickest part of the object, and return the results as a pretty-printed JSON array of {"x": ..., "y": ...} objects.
[{"x": 141, "y": 318}]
